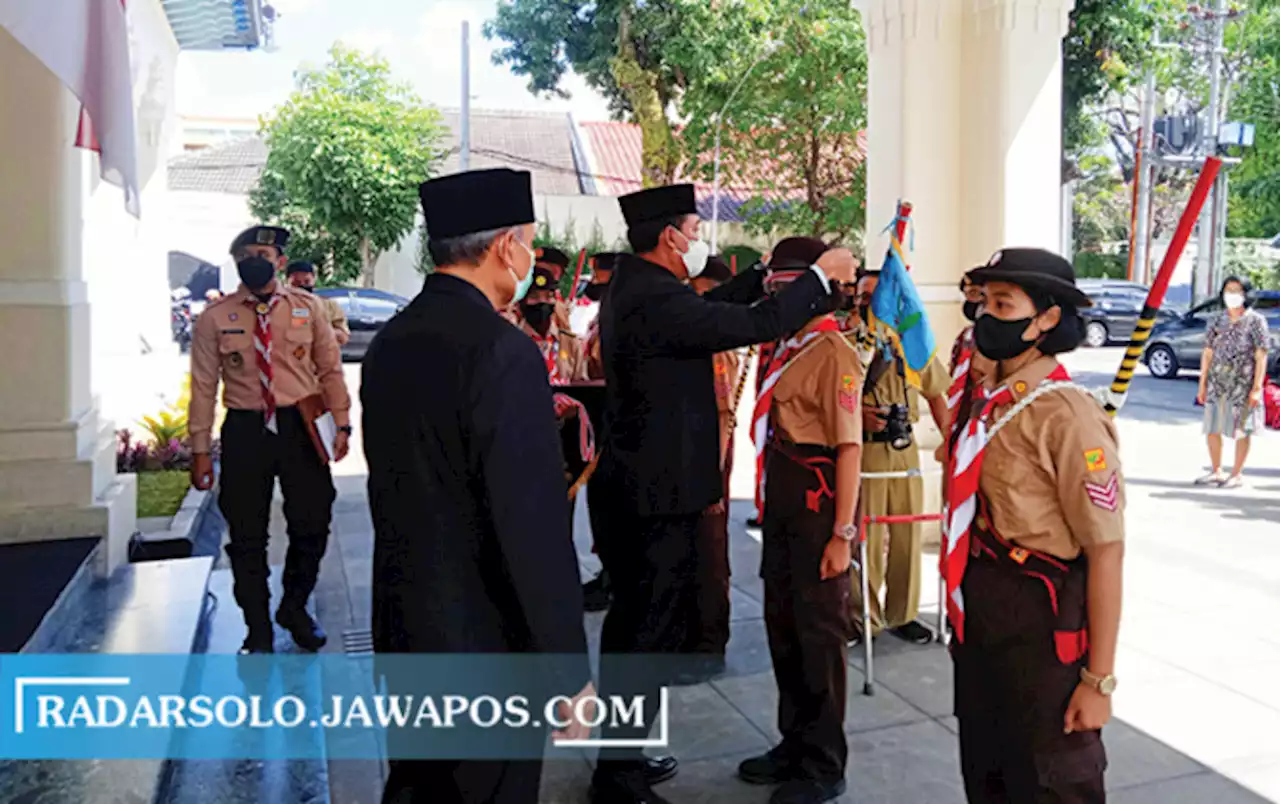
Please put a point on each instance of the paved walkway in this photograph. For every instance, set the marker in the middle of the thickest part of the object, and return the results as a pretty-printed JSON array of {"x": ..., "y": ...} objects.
[{"x": 1198, "y": 705}]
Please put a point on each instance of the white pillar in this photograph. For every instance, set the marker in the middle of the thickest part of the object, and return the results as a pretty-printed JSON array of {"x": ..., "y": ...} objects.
[
  {"x": 57, "y": 459},
  {"x": 965, "y": 122}
]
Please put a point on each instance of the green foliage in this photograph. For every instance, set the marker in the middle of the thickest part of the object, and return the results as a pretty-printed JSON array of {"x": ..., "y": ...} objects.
[
  {"x": 161, "y": 493},
  {"x": 1105, "y": 50},
  {"x": 1096, "y": 265},
  {"x": 170, "y": 424},
  {"x": 791, "y": 132},
  {"x": 1254, "y": 209},
  {"x": 347, "y": 153}
]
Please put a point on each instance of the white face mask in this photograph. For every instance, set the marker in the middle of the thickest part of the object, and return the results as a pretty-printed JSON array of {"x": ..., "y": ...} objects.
[
  {"x": 1234, "y": 301},
  {"x": 695, "y": 259}
]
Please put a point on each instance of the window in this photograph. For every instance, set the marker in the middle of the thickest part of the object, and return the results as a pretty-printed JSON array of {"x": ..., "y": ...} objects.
[{"x": 381, "y": 309}]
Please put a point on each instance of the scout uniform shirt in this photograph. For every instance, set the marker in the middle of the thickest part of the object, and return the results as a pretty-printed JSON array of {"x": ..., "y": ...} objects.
[
  {"x": 727, "y": 365},
  {"x": 891, "y": 387},
  {"x": 562, "y": 352},
  {"x": 815, "y": 400},
  {"x": 1052, "y": 475},
  {"x": 305, "y": 358},
  {"x": 338, "y": 319}
]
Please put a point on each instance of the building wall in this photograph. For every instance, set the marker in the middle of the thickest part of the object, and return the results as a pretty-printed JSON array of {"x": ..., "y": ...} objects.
[{"x": 125, "y": 259}]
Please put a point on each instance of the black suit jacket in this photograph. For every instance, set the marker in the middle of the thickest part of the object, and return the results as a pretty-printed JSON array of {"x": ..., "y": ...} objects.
[
  {"x": 472, "y": 548},
  {"x": 657, "y": 339}
]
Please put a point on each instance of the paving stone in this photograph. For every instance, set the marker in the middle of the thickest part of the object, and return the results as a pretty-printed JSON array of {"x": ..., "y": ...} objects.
[
  {"x": 565, "y": 781},
  {"x": 1201, "y": 788},
  {"x": 919, "y": 762},
  {"x": 756, "y": 697},
  {"x": 705, "y": 725},
  {"x": 922, "y": 676},
  {"x": 748, "y": 650},
  {"x": 1133, "y": 758}
]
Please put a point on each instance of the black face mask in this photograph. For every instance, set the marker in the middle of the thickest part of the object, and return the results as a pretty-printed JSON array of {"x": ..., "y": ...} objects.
[
  {"x": 303, "y": 288},
  {"x": 1001, "y": 340},
  {"x": 971, "y": 310},
  {"x": 256, "y": 272},
  {"x": 595, "y": 292},
  {"x": 538, "y": 315}
]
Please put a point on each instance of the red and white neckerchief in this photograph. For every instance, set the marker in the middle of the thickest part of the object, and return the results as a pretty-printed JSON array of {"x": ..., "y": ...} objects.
[
  {"x": 964, "y": 471},
  {"x": 262, "y": 348},
  {"x": 780, "y": 357},
  {"x": 586, "y": 432},
  {"x": 550, "y": 347}
]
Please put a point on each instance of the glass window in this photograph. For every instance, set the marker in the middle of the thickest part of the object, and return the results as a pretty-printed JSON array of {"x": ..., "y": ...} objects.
[{"x": 377, "y": 308}]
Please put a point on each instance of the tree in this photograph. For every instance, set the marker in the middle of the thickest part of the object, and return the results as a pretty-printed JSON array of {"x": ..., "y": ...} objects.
[
  {"x": 622, "y": 48},
  {"x": 792, "y": 130},
  {"x": 1254, "y": 209},
  {"x": 347, "y": 153}
]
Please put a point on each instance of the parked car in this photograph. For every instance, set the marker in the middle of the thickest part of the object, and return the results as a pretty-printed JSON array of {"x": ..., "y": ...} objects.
[
  {"x": 1176, "y": 345},
  {"x": 368, "y": 310},
  {"x": 1116, "y": 307}
]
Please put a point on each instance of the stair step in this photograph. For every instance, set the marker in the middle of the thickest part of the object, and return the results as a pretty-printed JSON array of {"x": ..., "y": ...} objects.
[{"x": 153, "y": 607}]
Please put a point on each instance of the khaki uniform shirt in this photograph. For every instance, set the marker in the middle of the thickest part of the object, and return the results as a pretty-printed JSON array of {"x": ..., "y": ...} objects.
[
  {"x": 727, "y": 365},
  {"x": 305, "y": 359},
  {"x": 891, "y": 388},
  {"x": 341, "y": 330},
  {"x": 565, "y": 348},
  {"x": 1052, "y": 475},
  {"x": 815, "y": 401}
]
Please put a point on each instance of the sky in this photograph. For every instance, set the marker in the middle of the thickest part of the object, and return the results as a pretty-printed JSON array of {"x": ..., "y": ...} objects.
[{"x": 422, "y": 40}]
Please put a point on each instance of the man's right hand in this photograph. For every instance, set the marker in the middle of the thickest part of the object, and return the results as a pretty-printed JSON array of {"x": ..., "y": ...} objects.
[
  {"x": 576, "y": 730},
  {"x": 202, "y": 471},
  {"x": 874, "y": 420},
  {"x": 838, "y": 264}
]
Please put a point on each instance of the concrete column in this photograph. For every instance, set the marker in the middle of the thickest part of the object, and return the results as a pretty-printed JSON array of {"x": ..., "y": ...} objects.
[{"x": 57, "y": 459}]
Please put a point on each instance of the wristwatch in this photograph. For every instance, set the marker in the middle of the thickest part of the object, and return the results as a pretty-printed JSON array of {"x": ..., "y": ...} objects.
[
  {"x": 1103, "y": 684},
  {"x": 847, "y": 532},
  {"x": 346, "y": 428}
]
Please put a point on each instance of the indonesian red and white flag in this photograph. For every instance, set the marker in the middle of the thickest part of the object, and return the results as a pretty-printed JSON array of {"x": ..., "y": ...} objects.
[{"x": 85, "y": 43}]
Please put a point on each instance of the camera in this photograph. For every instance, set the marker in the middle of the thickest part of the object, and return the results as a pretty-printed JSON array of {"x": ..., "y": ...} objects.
[{"x": 897, "y": 426}]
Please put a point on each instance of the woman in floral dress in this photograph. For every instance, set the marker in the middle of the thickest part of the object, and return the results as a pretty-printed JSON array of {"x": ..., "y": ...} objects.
[{"x": 1232, "y": 372}]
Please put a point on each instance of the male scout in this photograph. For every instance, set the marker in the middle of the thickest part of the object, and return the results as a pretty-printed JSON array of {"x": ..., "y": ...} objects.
[{"x": 812, "y": 421}]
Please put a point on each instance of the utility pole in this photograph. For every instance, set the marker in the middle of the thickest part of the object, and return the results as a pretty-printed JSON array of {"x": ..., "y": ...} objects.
[
  {"x": 464, "y": 150},
  {"x": 1208, "y": 256},
  {"x": 1144, "y": 175}
]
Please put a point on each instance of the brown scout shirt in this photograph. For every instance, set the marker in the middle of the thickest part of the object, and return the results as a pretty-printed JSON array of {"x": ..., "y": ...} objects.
[
  {"x": 569, "y": 354},
  {"x": 891, "y": 388},
  {"x": 304, "y": 353},
  {"x": 815, "y": 401},
  {"x": 727, "y": 365},
  {"x": 341, "y": 330},
  {"x": 1052, "y": 475}
]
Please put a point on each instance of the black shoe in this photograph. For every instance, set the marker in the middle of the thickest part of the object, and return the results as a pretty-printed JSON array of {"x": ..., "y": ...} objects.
[
  {"x": 754, "y": 522},
  {"x": 660, "y": 769},
  {"x": 306, "y": 632},
  {"x": 808, "y": 791},
  {"x": 259, "y": 640},
  {"x": 624, "y": 787},
  {"x": 596, "y": 593},
  {"x": 774, "y": 767},
  {"x": 914, "y": 633}
]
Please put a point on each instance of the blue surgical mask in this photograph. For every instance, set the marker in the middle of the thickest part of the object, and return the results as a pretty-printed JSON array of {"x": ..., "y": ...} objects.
[{"x": 523, "y": 285}]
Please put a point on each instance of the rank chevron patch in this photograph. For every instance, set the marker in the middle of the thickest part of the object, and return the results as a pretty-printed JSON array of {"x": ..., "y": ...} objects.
[{"x": 1106, "y": 496}]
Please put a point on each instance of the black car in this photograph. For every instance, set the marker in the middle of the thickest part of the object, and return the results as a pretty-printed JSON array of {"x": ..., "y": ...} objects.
[
  {"x": 1116, "y": 307},
  {"x": 1177, "y": 345},
  {"x": 368, "y": 310}
]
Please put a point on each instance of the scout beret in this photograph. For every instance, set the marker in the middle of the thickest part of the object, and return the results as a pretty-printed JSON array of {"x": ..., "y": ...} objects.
[
  {"x": 261, "y": 236},
  {"x": 1033, "y": 269},
  {"x": 658, "y": 203},
  {"x": 796, "y": 253},
  {"x": 543, "y": 279},
  {"x": 552, "y": 256},
  {"x": 300, "y": 267},
  {"x": 717, "y": 269},
  {"x": 476, "y": 201}
]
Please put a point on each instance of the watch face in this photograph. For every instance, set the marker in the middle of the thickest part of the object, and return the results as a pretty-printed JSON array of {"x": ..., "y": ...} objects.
[{"x": 1107, "y": 685}]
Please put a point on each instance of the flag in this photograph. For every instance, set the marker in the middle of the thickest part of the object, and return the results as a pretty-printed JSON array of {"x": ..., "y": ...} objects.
[
  {"x": 896, "y": 304},
  {"x": 85, "y": 44}
]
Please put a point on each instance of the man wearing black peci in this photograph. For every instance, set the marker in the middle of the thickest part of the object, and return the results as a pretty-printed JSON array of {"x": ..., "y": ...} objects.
[{"x": 661, "y": 458}]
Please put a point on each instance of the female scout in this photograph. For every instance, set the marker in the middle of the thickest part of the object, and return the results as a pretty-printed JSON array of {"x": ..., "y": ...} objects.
[{"x": 1035, "y": 542}]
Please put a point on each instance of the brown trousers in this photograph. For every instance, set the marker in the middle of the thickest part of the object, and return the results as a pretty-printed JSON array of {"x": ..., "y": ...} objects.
[
  {"x": 710, "y": 634},
  {"x": 808, "y": 620},
  {"x": 1012, "y": 691}
]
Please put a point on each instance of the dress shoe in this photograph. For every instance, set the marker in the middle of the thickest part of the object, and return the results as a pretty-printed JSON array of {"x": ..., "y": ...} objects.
[
  {"x": 597, "y": 594},
  {"x": 913, "y": 632},
  {"x": 306, "y": 632},
  {"x": 624, "y": 787},
  {"x": 774, "y": 767},
  {"x": 660, "y": 769},
  {"x": 808, "y": 791},
  {"x": 258, "y": 640}
]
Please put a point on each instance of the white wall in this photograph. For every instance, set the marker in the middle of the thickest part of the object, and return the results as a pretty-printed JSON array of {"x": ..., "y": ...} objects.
[{"x": 125, "y": 258}]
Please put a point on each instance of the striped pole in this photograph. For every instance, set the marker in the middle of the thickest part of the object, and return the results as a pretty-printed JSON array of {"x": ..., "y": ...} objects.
[
  {"x": 577, "y": 274},
  {"x": 1147, "y": 320}
]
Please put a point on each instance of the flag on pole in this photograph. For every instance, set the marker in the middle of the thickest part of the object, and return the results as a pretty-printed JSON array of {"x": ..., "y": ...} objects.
[
  {"x": 896, "y": 304},
  {"x": 85, "y": 44}
]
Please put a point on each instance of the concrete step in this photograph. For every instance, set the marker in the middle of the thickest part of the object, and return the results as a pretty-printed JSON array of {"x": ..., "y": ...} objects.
[
  {"x": 243, "y": 781},
  {"x": 153, "y": 607}
]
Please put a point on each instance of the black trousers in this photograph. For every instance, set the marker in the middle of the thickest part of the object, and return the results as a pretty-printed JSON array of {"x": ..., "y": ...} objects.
[
  {"x": 651, "y": 566},
  {"x": 808, "y": 620},
  {"x": 479, "y": 782},
  {"x": 252, "y": 459},
  {"x": 1012, "y": 692},
  {"x": 710, "y": 632}
]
